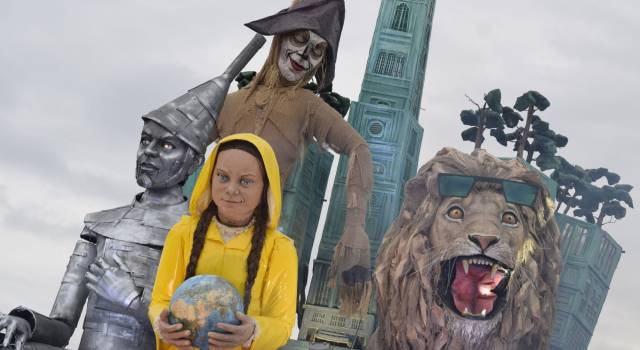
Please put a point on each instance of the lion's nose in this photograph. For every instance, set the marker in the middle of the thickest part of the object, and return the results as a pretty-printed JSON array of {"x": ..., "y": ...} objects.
[{"x": 484, "y": 241}]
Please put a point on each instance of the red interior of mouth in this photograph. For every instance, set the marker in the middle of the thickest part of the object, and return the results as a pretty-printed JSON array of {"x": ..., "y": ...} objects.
[{"x": 473, "y": 290}]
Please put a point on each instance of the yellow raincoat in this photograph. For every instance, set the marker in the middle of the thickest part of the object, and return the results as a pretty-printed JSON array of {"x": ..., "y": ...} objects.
[{"x": 273, "y": 298}]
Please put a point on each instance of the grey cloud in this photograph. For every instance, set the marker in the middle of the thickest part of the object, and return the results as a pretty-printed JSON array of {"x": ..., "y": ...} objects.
[{"x": 34, "y": 220}]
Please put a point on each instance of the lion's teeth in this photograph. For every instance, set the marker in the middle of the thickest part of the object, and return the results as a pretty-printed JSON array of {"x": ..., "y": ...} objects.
[
  {"x": 466, "y": 312},
  {"x": 484, "y": 313},
  {"x": 465, "y": 266},
  {"x": 494, "y": 269}
]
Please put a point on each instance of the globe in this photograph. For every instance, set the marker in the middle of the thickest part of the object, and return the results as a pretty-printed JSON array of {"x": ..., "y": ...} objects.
[{"x": 200, "y": 303}]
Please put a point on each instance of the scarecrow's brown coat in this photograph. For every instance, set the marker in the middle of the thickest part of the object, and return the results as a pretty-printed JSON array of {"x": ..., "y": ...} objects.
[{"x": 295, "y": 119}]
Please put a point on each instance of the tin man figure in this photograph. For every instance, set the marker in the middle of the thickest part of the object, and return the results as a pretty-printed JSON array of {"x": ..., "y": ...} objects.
[{"x": 113, "y": 265}]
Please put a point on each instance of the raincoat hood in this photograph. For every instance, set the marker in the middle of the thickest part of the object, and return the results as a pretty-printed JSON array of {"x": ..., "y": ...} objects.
[{"x": 201, "y": 195}]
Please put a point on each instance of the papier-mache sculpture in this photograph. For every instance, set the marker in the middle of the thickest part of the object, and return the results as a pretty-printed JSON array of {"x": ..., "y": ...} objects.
[
  {"x": 113, "y": 265},
  {"x": 276, "y": 107},
  {"x": 472, "y": 261}
]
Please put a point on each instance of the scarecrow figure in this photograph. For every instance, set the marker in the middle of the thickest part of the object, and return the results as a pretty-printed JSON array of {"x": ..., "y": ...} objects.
[{"x": 276, "y": 107}]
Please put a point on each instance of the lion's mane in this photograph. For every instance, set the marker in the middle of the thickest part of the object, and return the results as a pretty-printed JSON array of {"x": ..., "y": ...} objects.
[{"x": 410, "y": 312}]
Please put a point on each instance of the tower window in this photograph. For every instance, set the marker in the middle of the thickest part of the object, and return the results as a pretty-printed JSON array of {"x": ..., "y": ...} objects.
[
  {"x": 375, "y": 128},
  {"x": 380, "y": 61},
  {"x": 401, "y": 18},
  {"x": 391, "y": 64}
]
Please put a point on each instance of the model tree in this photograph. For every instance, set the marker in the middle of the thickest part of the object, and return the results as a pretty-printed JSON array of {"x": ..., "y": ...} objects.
[
  {"x": 576, "y": 189},
  {"x": 489, "y": 116},
  {"x": 534, "y": 137},
  {"x": 606, "y": 200},
  {"x": 570, "y": 178}
]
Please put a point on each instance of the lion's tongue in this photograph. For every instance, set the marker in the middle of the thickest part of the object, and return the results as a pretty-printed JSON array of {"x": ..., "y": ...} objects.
[{"x": 472, "y": 291}]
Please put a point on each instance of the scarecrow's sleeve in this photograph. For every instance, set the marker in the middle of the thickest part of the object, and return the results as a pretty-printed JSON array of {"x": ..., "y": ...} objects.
[
  {"x": 278, "y": 312},
  {"x": 351, "y": 256},
  {"x": 329, "y": 128}
]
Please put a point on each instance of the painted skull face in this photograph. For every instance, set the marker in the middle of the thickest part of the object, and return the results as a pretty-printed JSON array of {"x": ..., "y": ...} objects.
[{"x": 300, "y": 53}]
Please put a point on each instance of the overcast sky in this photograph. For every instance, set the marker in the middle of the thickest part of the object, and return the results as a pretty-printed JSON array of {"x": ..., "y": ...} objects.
[{"x": 75, "y": 77}]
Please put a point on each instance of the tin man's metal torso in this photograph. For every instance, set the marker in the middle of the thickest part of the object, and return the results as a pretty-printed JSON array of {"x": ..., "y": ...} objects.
[
  {"x": 108, "y": 325},
  {"x": 136, "y": 233}
]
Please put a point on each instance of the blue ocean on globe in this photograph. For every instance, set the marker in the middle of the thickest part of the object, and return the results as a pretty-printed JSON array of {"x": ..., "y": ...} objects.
[{"x": 200, "y": 303}]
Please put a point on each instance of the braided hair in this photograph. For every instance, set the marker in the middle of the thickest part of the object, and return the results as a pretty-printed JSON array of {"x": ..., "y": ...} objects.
[{"x": 261, "y": 217}]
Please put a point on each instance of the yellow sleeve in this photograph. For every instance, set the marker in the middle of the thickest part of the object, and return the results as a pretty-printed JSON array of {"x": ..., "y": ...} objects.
[
  {"x": 278, "y": 298},
  {"x": 171, "y": 270}
]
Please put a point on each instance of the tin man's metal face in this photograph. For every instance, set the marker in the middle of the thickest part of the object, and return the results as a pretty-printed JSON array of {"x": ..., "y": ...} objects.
[
  {"x": 300, "y": 52},
  {"x": 163, "y": 160}
]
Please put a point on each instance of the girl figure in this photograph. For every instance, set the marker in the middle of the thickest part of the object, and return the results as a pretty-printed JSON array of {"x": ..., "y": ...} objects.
[{"x": 231, "y": 232}]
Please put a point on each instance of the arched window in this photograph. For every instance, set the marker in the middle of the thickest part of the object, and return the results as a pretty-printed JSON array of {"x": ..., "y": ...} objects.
[
  {"x": 380, "y": 61},
  {"x": 391, "y": 64},
  {"x": 401, "y": 18}
]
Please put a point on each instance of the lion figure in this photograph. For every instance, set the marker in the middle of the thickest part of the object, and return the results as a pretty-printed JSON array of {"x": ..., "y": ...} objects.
[{"x": 472, "y": 261}]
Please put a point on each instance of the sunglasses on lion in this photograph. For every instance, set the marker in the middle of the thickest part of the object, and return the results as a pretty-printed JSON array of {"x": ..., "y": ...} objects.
[{"x": 454, "y": 185}]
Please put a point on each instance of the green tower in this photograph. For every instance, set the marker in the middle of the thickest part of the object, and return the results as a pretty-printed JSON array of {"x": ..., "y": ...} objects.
[
  {"x": 590, "y": 256},
  {"x": 386, "y": 115},
  {"x": 302, "y": 200}
]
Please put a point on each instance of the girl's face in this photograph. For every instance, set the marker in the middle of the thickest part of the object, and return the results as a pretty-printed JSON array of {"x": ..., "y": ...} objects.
[{"x": 236, "y": 186}]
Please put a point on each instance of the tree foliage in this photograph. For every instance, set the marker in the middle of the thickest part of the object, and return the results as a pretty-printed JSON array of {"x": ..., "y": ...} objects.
[
  {"x": 576, "y": 189},
  {"x": 535, "y": 137},
  {"x": 489, "y": 116}
]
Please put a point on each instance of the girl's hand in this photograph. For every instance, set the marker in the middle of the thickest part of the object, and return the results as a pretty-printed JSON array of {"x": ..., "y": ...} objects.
[
  {"x": 239, "y": 335},
  {"x": 171, "y": 334}
]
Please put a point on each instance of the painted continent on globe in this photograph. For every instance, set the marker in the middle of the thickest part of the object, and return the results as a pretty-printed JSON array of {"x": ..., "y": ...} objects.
[{"x": 200, "y": 303}]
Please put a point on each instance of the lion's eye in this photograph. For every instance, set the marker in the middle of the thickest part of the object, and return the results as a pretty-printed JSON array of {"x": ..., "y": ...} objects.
[
  {"x": 509, "y": 218},
  {"x": 455, "y": 213}
]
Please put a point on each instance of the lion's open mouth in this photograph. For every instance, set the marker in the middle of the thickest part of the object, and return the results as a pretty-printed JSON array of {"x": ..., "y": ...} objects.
[{"x": 474, "y": 286}]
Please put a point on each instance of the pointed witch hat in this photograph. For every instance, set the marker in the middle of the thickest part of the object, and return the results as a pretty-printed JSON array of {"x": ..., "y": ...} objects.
[{"x": 323, "y": 17}]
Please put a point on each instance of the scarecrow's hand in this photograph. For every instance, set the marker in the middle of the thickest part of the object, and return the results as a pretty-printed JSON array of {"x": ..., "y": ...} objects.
[
  {"x": 356, "y": 274},
  {"x": 351, "y": 260}
]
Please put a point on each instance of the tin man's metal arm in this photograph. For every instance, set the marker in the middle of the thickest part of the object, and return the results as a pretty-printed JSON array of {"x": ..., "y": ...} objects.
[{"x": 57, "y": 329}]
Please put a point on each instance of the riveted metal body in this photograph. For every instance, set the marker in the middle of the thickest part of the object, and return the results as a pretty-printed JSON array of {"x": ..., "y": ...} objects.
[{"x": 136, "y": 233}]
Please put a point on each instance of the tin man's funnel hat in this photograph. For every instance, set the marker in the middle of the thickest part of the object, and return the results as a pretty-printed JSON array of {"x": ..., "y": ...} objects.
[
  {"x": 324, "y": 17},
  {"x": 192, "y": 116}
]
